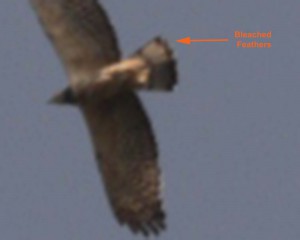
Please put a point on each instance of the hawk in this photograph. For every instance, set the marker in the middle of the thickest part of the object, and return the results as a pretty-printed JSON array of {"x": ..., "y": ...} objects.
[{"x": 103, "y": 86}]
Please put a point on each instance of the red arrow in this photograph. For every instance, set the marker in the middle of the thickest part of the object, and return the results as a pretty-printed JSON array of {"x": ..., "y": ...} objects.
[{"x": 188, "y": 40}]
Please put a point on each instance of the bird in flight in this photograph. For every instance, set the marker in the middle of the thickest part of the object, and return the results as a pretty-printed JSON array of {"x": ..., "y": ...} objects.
[{"x": 102, "y": 86}]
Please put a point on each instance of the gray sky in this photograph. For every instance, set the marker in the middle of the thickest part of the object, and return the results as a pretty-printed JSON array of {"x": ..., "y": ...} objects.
[{"x": 229, "y": 134}]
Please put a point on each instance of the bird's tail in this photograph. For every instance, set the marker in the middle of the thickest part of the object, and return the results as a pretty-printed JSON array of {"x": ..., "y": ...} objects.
[
  {"x": 152, "y": 67},
  {"x": 162, "y": 64}
]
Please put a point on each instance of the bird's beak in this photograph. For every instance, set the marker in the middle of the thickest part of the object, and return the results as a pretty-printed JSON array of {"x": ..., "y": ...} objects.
[
  {"x": 56, "y": 99},
  {"x": 65, "y": 97}
]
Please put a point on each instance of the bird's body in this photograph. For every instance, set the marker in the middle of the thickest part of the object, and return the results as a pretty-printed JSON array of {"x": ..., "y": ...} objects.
[{"x": 102, "y": 86}]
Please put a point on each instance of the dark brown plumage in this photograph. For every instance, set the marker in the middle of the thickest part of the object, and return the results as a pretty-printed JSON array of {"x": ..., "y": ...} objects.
[{"x": 102, "y": 85}]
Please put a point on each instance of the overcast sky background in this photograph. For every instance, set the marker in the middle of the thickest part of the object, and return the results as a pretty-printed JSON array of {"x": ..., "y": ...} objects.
[{"x": 229, "y": 134}]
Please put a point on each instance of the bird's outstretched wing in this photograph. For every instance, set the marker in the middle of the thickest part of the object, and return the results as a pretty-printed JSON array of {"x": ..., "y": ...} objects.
[
  {"x": 121, "y": 133},
  {"x": 127, "y": 157},
  {"x": 80, "y": 31}
]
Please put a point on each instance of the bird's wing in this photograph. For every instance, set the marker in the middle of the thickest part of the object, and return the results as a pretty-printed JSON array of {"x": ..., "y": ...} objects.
[
  {"x": 127, "y": 157},
  {"x": 80, "y": 31}
]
